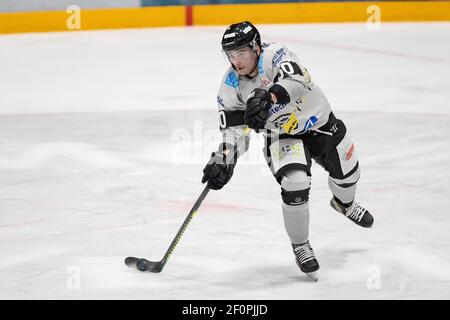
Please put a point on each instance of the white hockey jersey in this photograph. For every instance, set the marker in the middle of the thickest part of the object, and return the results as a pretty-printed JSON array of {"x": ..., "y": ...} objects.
[{"x": 308, "y": 108}]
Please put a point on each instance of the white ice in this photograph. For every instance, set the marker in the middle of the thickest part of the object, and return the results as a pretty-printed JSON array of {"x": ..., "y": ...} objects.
[{"x": 103, "y": 137}]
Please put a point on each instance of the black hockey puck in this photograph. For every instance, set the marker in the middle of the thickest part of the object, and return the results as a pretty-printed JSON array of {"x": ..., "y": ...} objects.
[{"x": 141, "y": 265}]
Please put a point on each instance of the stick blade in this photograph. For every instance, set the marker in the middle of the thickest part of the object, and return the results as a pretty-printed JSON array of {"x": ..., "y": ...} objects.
[
  {"x": 143, "y": 265},
  {"x": 131, "y": 261}
]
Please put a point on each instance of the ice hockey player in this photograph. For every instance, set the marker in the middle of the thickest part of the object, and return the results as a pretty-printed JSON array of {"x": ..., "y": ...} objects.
[{"x": 267, "y": 89}]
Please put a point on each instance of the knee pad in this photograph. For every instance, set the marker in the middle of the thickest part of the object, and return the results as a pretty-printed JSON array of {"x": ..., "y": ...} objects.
[
  {"x": 295, "y": 198},
  {"x": 295, "y": 185}
]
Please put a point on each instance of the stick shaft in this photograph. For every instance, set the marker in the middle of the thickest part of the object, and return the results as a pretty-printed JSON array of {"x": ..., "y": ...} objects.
[
  {"x": 185, "y": 224},
  {"x": 191, "y": 215}
]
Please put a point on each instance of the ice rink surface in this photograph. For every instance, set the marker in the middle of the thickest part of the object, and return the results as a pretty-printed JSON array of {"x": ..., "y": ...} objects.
[{"x": 103, "y": 137}]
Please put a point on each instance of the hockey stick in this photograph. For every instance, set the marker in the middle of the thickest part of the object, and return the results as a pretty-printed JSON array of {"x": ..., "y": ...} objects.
[{"x": 156, "y": 266}]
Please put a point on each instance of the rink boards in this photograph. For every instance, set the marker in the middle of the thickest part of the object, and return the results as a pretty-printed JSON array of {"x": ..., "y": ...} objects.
[{"x": 204, "y": 15}]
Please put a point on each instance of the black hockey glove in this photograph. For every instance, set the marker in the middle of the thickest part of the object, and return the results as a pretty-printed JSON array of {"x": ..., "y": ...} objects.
[
  {"x": 217, "y": 172},
  {"x": 257, "y": 112}
]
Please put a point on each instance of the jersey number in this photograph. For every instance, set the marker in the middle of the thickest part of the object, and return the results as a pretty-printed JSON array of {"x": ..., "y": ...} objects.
[
  {"x": 222, "y": 119},
  {"x": 291, "y": 68},
  {"x": 288, "y": 68}
]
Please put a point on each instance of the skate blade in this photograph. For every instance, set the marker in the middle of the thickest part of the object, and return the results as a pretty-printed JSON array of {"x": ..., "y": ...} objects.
[{"x": 313, "y": 276}]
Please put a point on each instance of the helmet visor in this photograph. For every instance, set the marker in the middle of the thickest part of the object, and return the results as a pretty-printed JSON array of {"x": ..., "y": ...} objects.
[{"x": 240, "y": 54}]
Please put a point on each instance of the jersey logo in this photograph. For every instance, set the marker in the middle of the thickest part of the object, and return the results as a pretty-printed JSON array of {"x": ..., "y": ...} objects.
[
  {"x": 280, "y": 120},
  {"x": 291, "y": 124},
  {"x": 232, "y": 80},
  {"x": 277, "y": 57},
  {"x": 349, "y": 153},
  {"x": 275, "y": 109},
  {"x": 310, "y": 123}
]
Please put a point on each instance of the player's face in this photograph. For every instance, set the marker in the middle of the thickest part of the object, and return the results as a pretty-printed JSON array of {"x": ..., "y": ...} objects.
[{"x": 244, "y": 60}]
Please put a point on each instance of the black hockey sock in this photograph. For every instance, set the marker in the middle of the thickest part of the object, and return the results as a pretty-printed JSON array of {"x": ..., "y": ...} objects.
[{"x": 345, "y": 205}]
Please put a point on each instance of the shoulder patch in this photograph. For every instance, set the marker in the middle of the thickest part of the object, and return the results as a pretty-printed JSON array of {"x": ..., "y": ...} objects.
[
  {"x": 277, "y": 57},
  {"x": 232, "y": 80},
  {"x": 260, "y": 63}
]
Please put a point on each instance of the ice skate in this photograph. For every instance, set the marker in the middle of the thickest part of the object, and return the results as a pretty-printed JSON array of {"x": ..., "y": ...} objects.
[
  {"x": 305, "y": 259},
  {"x": 355, "y": 212}
]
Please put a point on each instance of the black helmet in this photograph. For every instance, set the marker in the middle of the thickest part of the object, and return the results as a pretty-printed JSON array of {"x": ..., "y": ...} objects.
[{"x": 239, "y": 35}]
